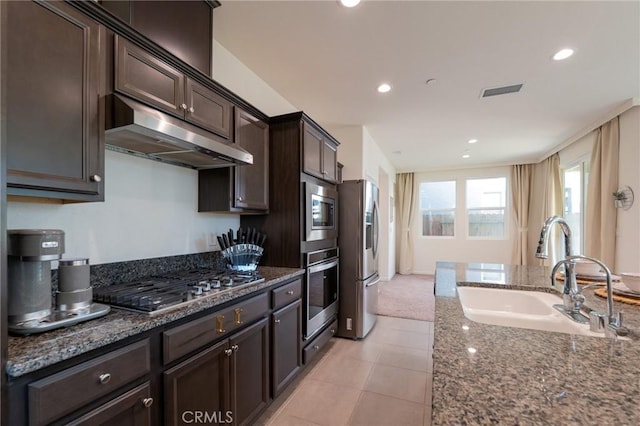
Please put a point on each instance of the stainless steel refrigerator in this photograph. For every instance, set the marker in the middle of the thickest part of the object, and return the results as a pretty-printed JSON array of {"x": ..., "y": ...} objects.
[{"x": 358, "y": 242}]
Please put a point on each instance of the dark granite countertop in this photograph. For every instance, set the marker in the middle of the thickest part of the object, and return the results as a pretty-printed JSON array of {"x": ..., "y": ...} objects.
[
  {"x": 486, "y": 374},
  {"x": 30, "y": 353}
]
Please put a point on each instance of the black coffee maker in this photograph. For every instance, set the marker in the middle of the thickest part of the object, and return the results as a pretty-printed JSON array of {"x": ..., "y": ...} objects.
[{"x": 30, "y": 307}]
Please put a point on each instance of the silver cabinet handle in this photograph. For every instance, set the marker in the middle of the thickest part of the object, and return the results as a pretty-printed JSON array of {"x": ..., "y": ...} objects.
[
  {"x": 147, "y": 402},
  {"x": 105, "y": 378},
  {"x": 277, "y": 321},
  {"x": 183, "y": 106},
  {"x": 228, "y": 352},
  {"x": 95, "y": 178},
  {"x": 333, "y": 331},
  {"x": 316, "y": 347},
  {"x": 239, "y": 198},
  {"x": 290, "y": 292},
  {"x": 191, "y": 110}
]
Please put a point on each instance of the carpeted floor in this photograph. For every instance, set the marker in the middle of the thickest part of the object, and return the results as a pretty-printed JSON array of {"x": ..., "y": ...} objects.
[{"x": 407, "y": 296}]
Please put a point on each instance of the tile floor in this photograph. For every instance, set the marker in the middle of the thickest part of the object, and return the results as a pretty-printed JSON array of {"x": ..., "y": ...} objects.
[{"x": 384, "y": 379}]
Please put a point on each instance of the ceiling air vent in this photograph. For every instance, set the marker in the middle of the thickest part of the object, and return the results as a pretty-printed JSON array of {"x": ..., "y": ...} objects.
[{"x": 501, "y": 90}]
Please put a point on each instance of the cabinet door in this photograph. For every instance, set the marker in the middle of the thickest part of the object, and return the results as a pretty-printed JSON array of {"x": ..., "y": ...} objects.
[
  {"x": 250, "y": 372},
  {"x": 184, "y": 28},
  {"x": 287, "y": 350},
  {"x": 199, "y": 384},
  {"x": 330, "y": 162},
  {"x": 313, "y": 145},
  {"x": 252, "y": 182},
  {"x": 141, "y": 76},
  {"x": 208, "y": 110},
  {"x": 54, "y": 120},
  {"x": 131, "y": 408}
]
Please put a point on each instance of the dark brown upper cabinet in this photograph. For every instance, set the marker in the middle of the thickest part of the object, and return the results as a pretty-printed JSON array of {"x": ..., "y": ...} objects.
[
  {"x": 240, "y": 189},
  {"x": 54, "y": 110},
  {"x": 142, "y": 76},
  {"x": 184, "y": 28},
  {"x": 319, "y": 153}
]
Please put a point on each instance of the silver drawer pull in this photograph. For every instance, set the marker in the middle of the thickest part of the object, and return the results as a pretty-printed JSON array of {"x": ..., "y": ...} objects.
[
  {"x": 191, "y": 110},
  {"x": 235, "y": 348},
  {"x": 183, "y": 106},
  {"x": 277, "y": 321},
  {"x": 147, "y": 402},
  {"x": 316, "y": 347},
  {"x": 290, "y": 292},
  {"x": 228, "y": 352},
  {"x": 95, "y": 178},
  {"x": 105, "y": 378}
]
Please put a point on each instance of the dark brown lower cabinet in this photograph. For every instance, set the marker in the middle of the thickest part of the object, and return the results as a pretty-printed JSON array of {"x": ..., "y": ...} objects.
[
  {"x": 226, "y": 383},
  {"x": 131, "y": 408},
  {"x": 286, "y": 332}
]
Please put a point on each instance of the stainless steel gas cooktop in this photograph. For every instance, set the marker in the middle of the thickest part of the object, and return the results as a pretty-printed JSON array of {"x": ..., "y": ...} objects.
[{"x": 161, "y": 293}]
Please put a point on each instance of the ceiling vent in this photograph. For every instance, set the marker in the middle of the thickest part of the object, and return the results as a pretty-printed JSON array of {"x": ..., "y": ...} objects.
[{"x": 501, "y": 90}]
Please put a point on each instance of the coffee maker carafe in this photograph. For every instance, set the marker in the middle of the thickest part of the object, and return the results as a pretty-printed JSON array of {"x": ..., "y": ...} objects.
[
  {"x": 29, "y": 267},
  {"x": 30, "y": 308}
]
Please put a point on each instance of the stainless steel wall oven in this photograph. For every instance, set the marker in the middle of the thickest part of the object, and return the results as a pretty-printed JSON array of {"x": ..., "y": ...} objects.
[{"x": 321, "y": 298}]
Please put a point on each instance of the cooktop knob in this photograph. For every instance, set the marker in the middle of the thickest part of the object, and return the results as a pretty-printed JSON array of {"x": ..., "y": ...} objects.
[
  {"x": 215, "y": 283},
  {"x": 228, "y": 282},
  {"x": 197, "y": 290}
]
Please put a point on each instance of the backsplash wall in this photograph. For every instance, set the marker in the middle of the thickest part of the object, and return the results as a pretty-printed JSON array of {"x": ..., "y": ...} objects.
[{"x": 150, "y": 210}]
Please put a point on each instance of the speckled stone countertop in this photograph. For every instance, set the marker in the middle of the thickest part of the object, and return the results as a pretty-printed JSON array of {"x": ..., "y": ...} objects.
[
  {"x": 31, "y": 353},
  {"x": 526, "y": 377}
]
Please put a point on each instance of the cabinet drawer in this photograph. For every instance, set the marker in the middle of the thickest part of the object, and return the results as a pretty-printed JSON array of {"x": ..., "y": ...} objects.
[
  {"x": 64, "y": 392},
  {"x": 186, "y": 338},
  {"x": 133, "y": 406},
  {"x": 286, "y": 294},
  {"x": 312, "y": 349}
]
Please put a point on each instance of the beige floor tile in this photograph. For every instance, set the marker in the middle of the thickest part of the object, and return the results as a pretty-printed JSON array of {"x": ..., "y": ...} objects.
[
  {"x": 320, "y": 402},
  {"x": 290, "y": 421},
  {"x": 403, "y": 324},
  {"x": 379, "y": 410},
  {"x": 365, "y": 350},
  {"x": 408, "y": 339},
  {"x": 343, "y": 371},
  {"x": 412, "y": 359},
  {"x": 399, "y": 383}
]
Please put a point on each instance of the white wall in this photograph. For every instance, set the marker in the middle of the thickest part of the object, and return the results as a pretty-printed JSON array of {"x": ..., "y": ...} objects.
[
  {"x": 429, "y": 250},
  {"x": 628, "y": 232},
  {"x": 150, "y": 211},
  {"x": 235, "y": 76},
  {"x": 350, "y": 150}
]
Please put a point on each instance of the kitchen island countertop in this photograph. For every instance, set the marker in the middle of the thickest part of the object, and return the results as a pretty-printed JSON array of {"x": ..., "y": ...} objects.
[
  {"x": 30, "y": 353},
  {"x": 486, "y": 374}
]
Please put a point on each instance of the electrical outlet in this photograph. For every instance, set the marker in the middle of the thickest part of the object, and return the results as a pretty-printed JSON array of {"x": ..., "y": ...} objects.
[{"x": 212, "y": 241}]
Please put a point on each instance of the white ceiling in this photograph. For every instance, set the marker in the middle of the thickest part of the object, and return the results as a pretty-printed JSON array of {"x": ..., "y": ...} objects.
[{"x": 328, "y": 60}]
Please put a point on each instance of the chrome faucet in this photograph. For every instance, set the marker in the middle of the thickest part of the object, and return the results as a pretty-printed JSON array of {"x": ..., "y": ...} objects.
[
  {"x": 612, "y": 324},
  {"x": 572, "y": 298}
]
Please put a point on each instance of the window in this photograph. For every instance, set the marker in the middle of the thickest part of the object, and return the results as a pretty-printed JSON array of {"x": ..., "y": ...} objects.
[
  {"x": 438, "y": 208},
  {"x": 575, "y": 201},
  {"x": 486, "y": 204}
]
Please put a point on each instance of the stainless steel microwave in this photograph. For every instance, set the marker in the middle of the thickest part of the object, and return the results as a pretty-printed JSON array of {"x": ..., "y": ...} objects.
[{"x": 321, "y": 212}]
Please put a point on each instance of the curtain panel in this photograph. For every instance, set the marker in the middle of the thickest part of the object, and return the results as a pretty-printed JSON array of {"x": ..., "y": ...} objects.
[
  {"x": 600, "y": 232},
  {"x": 406, "y": 202},
  {"x": 521, "y": 179}
]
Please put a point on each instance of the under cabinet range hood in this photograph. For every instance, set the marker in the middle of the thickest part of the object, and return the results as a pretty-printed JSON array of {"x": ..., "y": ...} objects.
[{"x": 137, "y": 129}]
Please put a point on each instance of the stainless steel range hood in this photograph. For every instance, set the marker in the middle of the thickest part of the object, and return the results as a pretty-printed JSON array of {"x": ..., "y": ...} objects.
[{"x": 137, "y": 129}]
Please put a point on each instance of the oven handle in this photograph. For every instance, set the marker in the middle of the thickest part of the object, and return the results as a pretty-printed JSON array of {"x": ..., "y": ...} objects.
[{"x": 323, "y": 266}]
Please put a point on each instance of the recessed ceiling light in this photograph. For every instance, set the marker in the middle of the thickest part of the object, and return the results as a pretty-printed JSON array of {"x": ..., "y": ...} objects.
[
  {"x": 384, "y": 88},
  {"x": 563, "y": 54},
  {"x": 473, "y": 140},
  {"x": 349, "y": 3},
  {"x": 466, "y": 155}
]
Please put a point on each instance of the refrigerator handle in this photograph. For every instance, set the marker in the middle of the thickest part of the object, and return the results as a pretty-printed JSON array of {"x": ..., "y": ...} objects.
[
  {"x": 375, "y": 229},
  {"x": 374, "y": 282}
]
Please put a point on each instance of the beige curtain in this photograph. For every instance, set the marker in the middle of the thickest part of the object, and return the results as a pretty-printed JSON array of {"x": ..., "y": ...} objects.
[
  {"x": 545, "y": 200},
  {"x": 521, "y": 176},
  {"x": 600, "y": 230},
  {"x": 406, "y": 202}
]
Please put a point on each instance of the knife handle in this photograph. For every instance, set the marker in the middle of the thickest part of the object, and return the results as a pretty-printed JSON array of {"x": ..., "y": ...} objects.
[{"x": 220, "y": 242}]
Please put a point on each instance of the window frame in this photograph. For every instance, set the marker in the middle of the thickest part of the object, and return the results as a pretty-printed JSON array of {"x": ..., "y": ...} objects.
[
  {"x": 453, "y": 210},
  {"x": 584, "y": 163},
  {"x": 507, "y": 195}
]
